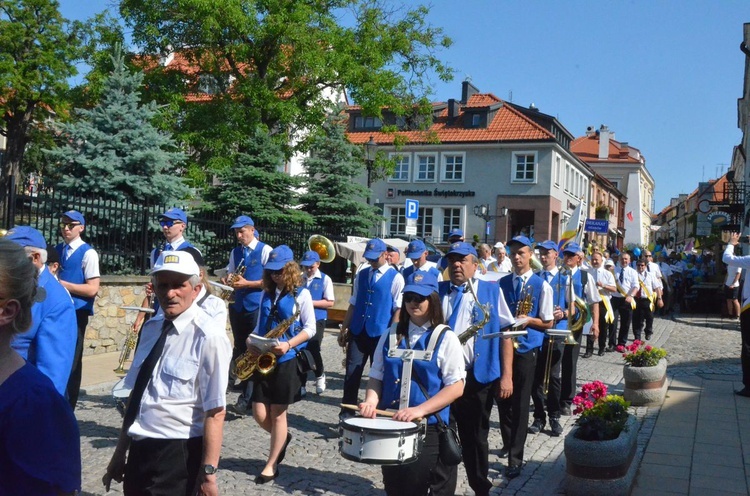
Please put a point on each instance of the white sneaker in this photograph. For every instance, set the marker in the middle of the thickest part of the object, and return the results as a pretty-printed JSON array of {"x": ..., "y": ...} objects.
[{"x": 320, "y": 384}]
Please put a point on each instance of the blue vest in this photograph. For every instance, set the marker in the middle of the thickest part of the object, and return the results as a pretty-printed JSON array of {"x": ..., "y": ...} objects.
[
  {"x": 486, "y": 360},
  {"x": 534, "y": 338},
  {"x": 316, "y": 289},
  {"x": 427, "y": 372},
  {"x": 71, "y": 270},
  {"x": 374, "y": 307},
  {"x": 284, "y": 310},
  {"x": 410, "y": 270},
  {"x": 248, "y": 300},
  {"x": 559, "y": 283}
]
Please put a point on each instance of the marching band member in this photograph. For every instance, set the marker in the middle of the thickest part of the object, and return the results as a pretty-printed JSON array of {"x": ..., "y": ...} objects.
[
  {"x": 283, "y": 295},
  {"x": 605, "y": 282},
  {"x": 393, "y": 257},
  {"x": 514, "y": 410},
  {"x": 417, "y": 253},
  {"x": 486, "y": 360},
  {"x": 454, "y": 236},
  {"x": 373, "y": 307},
  {"x": 320, "y": 287},
  {"x": 644, "y": 299},
  {"x": 442, "y": 377},
  {"x": 626, "y": 281}
]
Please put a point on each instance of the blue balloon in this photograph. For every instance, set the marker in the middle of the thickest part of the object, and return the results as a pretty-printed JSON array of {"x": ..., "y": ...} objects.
[
  {"x": 658, "y": 248},
  {"x": 637, "y": 251}
]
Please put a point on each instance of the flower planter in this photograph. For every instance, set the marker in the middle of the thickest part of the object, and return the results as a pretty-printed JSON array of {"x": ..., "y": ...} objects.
[
  {"x": 601, "y": 467},
  {"x": 645, "y": 386}
]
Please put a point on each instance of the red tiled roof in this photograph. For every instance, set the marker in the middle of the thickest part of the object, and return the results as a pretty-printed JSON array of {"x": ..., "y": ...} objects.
[
  {"x": 587, "y": 149},
  {"x": 508, "y": 124}
]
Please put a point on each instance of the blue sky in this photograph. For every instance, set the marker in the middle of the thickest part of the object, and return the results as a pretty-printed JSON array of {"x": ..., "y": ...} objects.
[{"x": 665, "y": 76}]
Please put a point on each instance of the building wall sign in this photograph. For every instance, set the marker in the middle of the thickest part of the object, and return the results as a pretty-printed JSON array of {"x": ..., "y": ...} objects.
[{"x": 438, "y": 193}]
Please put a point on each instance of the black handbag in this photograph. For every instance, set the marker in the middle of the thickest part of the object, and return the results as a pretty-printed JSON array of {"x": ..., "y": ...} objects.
[{"x": 305, "y": 362}]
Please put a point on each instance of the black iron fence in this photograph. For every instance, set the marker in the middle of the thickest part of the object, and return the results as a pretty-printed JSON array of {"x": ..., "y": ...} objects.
[{"x": 124, "y": 233}]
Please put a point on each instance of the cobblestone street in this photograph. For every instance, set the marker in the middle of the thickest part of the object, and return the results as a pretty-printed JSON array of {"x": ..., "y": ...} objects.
[{"x": 698, "y": 346}]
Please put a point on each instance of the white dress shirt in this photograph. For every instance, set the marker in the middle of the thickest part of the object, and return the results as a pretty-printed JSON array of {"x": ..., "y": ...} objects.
[
  {"x": 629, "y": 280},
  {"x": 732, "y": 271},
  {"x": 649, "y": 282},
  {"x": 605, "y": 277}
]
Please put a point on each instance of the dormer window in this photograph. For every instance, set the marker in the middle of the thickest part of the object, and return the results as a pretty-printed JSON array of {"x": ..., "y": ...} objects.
[
  {"x": 367, "y": 123},
  {"x": 476, "y": 120}
]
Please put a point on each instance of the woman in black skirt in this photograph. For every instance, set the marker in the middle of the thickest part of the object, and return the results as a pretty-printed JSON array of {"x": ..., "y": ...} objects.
[
  {"x": 442, "y": 376},
  {"x": 284, "y": 299}
]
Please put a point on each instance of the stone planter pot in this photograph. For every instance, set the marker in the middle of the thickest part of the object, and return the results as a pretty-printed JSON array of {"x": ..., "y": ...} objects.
[
  {"x": 645, "y": 386},
  {"x": 601, "y": 467}
]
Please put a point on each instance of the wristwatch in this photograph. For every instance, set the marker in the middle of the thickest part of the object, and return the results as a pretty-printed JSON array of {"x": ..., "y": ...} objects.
[{"x": 209, "y": 469}]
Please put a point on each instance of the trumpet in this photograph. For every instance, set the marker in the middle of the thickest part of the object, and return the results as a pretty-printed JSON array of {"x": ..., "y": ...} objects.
[
  {"x": 523, "y": 307},
  {"x": 239, "y": 271}
]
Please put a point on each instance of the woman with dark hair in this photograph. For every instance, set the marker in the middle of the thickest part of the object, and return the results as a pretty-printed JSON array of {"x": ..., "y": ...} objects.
[
  {"x": 288, "y": 304},
  {"x": 40, "y": 451},
  {"x": 442, "y": 377}
]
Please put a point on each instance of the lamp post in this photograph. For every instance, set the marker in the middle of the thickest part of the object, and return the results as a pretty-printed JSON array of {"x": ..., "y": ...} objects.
[
  {"x": 371, "y": 153},
  {"x": 483, "y": 212}
]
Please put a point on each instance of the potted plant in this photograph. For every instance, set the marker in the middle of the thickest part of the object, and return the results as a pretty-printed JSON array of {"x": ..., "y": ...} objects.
[
  {"x": 601, "y": 212},
  {"x": 645, "y": 374},
  {"x": 600, "y": 450}
]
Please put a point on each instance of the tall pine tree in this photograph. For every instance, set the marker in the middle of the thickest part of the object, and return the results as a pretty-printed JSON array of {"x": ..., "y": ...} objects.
[
  {"x": 114, "y": 151},
  {"x": 333, "y": 196}
]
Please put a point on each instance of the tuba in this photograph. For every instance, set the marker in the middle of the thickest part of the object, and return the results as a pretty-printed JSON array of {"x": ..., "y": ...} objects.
[{"x": 323, "y": 247}]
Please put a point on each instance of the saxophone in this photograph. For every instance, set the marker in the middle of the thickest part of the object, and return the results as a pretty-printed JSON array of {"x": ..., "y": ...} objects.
[
  {"x": 473, "y": 329},
  {"x": 239, "y": 271},
  {"x": 250, "y": 361}
]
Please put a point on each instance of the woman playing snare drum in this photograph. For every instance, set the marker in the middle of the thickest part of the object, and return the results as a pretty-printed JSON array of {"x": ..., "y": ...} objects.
[{"x": 442, "y": 376}]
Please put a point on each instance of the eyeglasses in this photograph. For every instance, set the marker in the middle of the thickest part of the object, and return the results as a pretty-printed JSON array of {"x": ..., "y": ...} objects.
[
  {"x": 69, "y": 225},
  {"x": 169, "y": 222},
  {"x": 414, "y": 298}
]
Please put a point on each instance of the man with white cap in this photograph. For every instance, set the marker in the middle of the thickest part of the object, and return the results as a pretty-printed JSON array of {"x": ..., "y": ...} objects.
[
  {"x": 417, "y": 252},
  {"x": 79, "y": 274},
  {"x": 502, "y": 262},
  {"x": 50, "y": 343},
  {"x": 173, "y": 426}
]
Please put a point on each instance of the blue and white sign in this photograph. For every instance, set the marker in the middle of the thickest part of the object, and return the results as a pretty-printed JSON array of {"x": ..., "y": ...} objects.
[
  {"x": 412, "y": 209},
  {"x": 597, "y": 225}
]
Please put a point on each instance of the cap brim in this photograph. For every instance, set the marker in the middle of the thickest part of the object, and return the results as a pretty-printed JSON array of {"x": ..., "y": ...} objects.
[
  {"x": 373, "y": 255},
  {"x": 420, "y": 290}
]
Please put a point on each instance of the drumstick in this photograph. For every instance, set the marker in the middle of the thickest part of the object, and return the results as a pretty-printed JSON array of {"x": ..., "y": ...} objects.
[{"x": 384, "y": 413}]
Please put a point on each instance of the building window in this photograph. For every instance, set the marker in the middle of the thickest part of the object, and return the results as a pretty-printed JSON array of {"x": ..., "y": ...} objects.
[
  {"x": 426, "y": 167},
  {"x": 453, "y": 168},
  {"x": 397, "y": 223},
  {"x": 451, "y": 220},
  {"x": 424, "y": 223},
  {"x": 524, "y": 167},
  {"x": 361, "y": 123},
  {"x": 476, "y": 119},
  {"x": 558, "y": 166},
  {"x": 401, "y": 168}
]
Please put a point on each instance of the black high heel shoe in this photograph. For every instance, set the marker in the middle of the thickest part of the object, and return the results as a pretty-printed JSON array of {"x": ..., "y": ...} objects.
[
  {"x": 262, "y": 479},
  {"x": 282, "y": 453}
]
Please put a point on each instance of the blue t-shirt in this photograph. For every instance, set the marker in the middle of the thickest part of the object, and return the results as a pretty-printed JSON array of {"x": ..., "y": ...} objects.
[{"x": 40, "y": 450}]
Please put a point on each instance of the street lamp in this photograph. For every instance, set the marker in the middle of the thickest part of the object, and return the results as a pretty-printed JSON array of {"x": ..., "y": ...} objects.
[
  {"x": 483, "y": 212},
  {"x": 371, "y": 153}
]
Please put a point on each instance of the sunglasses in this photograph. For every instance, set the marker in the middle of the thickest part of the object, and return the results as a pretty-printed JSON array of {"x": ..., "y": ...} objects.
[
  {"x": 69, "y": 225},
  {"x": 275, "y": 272},
  {"x": 168, "y": 222},
  {"x": 414, "y": 298}
]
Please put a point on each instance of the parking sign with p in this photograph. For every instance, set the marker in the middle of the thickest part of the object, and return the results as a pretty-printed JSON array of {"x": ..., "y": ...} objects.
[{"x": 412, "y": 209}]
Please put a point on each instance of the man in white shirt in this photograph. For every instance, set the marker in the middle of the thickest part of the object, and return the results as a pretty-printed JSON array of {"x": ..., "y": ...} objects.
[
  {"x": 732, "y": 291},
  {"x": 667, "y": 283},
  {"x": 730, "y": 258},
  {"x": 173, "y": 426},
  {"x": 485, "y": 257},
  {"x": 626, "y": 281},
  {"x": 502, "y": 262},
  {"x": 655, "y": 271},
  {"x": 320, "y": 287},
  {"x": 605, "y": 283},
  {"x": 645, "y": 299}
]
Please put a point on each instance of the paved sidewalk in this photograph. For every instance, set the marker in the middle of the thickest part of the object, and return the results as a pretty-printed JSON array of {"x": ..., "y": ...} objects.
[{"x": 698, "y": 442}]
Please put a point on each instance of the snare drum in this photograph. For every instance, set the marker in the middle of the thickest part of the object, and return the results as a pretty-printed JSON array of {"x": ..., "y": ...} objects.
[
  {"x": 380, "y": 441},
  {"x": 121, "y": 394}
]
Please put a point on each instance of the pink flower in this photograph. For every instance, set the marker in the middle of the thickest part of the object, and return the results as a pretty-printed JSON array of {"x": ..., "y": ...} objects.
[{"x": 648, "y": 347}]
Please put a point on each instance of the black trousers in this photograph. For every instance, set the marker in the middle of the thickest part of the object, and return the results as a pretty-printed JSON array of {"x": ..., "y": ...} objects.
[
  {"x": 626, "y": 312},
  {"x": 314, "y": 346},
  {"x": 514, "y": 411},
  {"x": 569, "y": 370},
  {"x": 74, "y": 381},
  {"x": 603, "y": 331},
  {"x": 745, "y": 351},
  {"x": 163, "y": 467},
  {"x": 422, "y": 476},
  {"x": 361, "y": 349},
  {"x": 243, "y": 324},
  {"x": 537, "y": 389},
  {"x": 640, "y": 316}
]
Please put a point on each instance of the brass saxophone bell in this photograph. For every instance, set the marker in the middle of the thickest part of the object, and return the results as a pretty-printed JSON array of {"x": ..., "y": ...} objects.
[{"x": 323, "y": 247}]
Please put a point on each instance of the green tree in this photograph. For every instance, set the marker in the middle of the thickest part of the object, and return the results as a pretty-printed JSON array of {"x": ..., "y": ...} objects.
[
  {"x": 256, "y": 183},
  {"x": 333, "y": 195},
  {"x": 38, "y": 52},
  {"x": 114, "y": 150}
]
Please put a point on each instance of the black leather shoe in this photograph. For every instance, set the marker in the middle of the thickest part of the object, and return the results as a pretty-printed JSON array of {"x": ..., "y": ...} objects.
[
  {"x": 282, "y": 453},
  {"x": 503, "y": 453},
  {"x": 262, "y": 479},
  {"x": 555, "y": 427},
  {"x": 743, "y": 392},
  {"x": 536, "y": 426},
  {"x": 588, "y": 354},
  {"x": 601, "y": 352},
  {"x": 512, "y": 471},
  {"x": 648, "y": 335},
  {"x": 565, "y": 410},
  {"x": 610, "y": 349}
]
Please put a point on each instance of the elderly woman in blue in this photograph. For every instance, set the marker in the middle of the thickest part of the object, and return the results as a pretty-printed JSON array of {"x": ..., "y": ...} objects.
[
  {"x": 442, "y": 376},
  {"x": 283, "y": 296}
]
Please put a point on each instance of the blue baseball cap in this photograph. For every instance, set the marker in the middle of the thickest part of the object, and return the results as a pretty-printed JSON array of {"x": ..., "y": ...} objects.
[
  {"x": 174, "y": 214},
  {"x": 462, "y": 248},
  {"x": 548, "y": 245},
  {"x": 456, "y": 233},
  {"x": 27, "y": 236},
  {"x": 75, "y": 216},
  {"x": 309, "y": 258},
  {"x": 242, "y": 221},
  {"x": 520, "y": 240},
  {"x": 279, "y": 257},
  {"x": 415, "y": 249},
  {"x": 422, "y": 283},
  {"x": 375, "y": 247},
  {"x": 573, "y": 248}
]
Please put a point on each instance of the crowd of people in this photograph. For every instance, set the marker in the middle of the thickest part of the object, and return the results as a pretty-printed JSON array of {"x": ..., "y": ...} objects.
[{"x": 422, "y": 326}]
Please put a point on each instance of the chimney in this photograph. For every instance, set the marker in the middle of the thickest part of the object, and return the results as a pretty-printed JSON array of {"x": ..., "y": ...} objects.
[
  {"x": 603, "y": 142},
  {"x": 467, "y": 91},
  {"x": 453, "y": 109}
]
